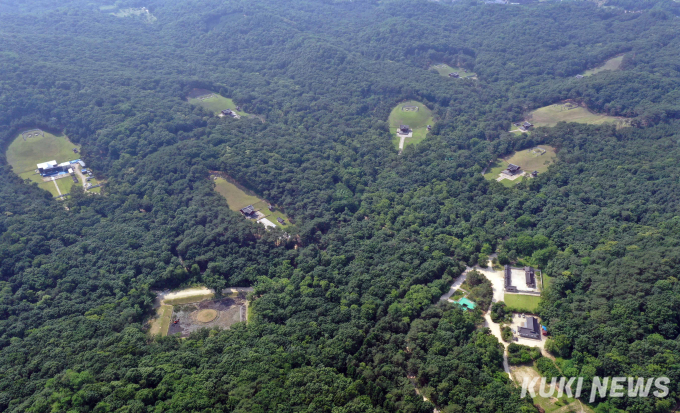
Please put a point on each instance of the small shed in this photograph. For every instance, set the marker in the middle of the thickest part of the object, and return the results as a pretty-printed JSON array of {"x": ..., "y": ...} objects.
[
  {"x": 281, "y": 221},
  {"x": 404, "y": 129}
]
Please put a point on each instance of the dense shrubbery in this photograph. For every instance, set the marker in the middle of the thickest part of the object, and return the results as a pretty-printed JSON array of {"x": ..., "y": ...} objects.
[{"x": 521, "y": 354}]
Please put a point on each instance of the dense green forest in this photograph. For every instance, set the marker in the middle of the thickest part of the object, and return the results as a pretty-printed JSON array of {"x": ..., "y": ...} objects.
[{"x": 347, "y": 317}]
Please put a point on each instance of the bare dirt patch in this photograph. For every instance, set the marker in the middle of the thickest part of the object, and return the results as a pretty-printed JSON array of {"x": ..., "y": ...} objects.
[
  {"x": 206, "y": 316},
  {"x": 221, "y": 313}
]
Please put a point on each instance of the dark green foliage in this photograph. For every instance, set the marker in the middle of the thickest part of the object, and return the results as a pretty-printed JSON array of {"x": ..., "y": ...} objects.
[
  {"x": 547, "y": 368},
  {"x": 499, "y": 312},
  {"x": 506, "y": 334},
  {"x": 481, "y": 290},
  {"x": 521, "y": 354},
  {"x": 344, "y": 309}
]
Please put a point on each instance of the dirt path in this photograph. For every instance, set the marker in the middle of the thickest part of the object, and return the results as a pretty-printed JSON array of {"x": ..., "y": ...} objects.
[
  {"x": 80, "y": 174},
  {"x": 55, "y": 184}
]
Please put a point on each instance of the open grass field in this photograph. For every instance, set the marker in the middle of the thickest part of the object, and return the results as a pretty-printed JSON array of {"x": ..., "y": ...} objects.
[
  {"x": 522, "y": 303},
  {"x": 551, "y": 115},
  {"x": 24, "y": 155},
  {"x": 444, "y": 70},
  {"x": 65, "y": 185},
  {"x": 161, "y": 323},
  {"x": 417, "y": 120},
  {"x": 215, "y": 104},
  {"x": 611, "y": 64},
  {"x": 495, "y": 169},
  {"x": 239, "y": 197},
  {"x": 529, "y": 160}
]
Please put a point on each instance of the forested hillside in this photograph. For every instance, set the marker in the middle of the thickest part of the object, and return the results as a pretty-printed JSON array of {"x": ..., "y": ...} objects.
[{"x": 346, "y": 311}]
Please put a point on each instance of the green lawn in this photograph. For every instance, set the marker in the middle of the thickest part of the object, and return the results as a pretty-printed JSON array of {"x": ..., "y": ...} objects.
[
  {"x": 417, "y": 120},
  {"x": 216, "y": 104},
  {"x": 611, "y": 64},
  {"x": 239, "y": 197},
  {"x": 522, "y": 303},
  {"x": 24, "y": 155},
  {"x": 49, "y": 187},
  {"x": 529, "y": 160},
  {"x": 161, "y": 323},
  {"x": 495, "y": 169},
  {"x": 551, "y": 115},
  {"x": 65, "y": 184},
  {"x": 444, "y": 70}
]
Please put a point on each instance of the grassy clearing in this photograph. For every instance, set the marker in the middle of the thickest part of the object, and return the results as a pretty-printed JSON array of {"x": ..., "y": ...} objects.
[
  {"x": 239, "y": 197},
  {"x": 611, "y": 64},
  {"x": 216, "y": 103},
  {"x": 24, "y": 155},
  {"x": 522, "y": 303},
  {"x": 444, "y": 70},
  {"x": 529, "y": 160},
  {"x": 551, "y": 115},
  {"x": 417, "y": 120},
  {"x": 495, "y": 169},
  {"x": 161, "y": 323}
]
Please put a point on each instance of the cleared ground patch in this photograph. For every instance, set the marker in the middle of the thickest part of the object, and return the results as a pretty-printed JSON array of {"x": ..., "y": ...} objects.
[
  {"x": 549, "y": 404},
  {"x": 239, "y": 197},
  {"x": 184, "y": 311},
  {"x": 529, "y": 160},
  {"x": 213, "y": 102},
  {"x": 416, "y": 119},
  {"x": 566, "y": 112},
  {"x": 31, "y": 148},
  {"x": 444, "y": 70},
  {"x": 611, "y": 64},
  {"x": 522, "y": 303}
]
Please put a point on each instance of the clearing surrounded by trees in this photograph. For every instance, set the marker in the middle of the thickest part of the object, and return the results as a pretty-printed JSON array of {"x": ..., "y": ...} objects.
[
  {"x": 570, "y": 112},
  {"x": 445, "y": 70},
  {"x": 416, "y": 119},
  {"x": 611, "y": 64},
  {"x": 239, "y": 197},
  {"x": 185, "y": 311},
  {"x": 213, "y": 102},
  {"x": 535, "y": 159},
  {"x": 35, "y": 146}
]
